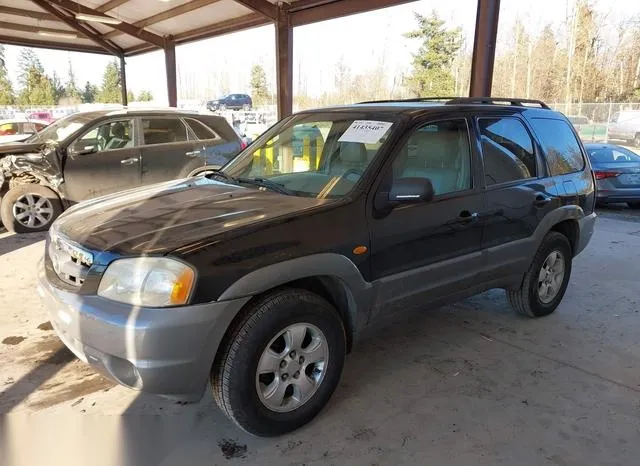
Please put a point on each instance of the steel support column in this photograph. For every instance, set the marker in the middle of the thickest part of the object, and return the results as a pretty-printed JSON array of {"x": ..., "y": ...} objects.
[
  {"x": 484, "y": 48},
  {"x": 284, "y": 61},
  {"x": 170, "y": 63},
  {"x": 123, "y": 81}
]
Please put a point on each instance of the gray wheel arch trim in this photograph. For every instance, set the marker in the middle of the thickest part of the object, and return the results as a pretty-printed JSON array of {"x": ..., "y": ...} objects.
[
  {"x": 332, "y": 265},
  {"x": 561, "y": 214},
  {"x": 271, "y": 276}
]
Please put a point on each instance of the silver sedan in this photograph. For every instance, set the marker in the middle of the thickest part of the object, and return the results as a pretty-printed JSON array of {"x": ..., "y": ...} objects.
[{"x": 617, "y": 172}]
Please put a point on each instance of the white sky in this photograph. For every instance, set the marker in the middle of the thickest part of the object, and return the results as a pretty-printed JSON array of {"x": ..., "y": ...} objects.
[{"x": 363, "y": 40}]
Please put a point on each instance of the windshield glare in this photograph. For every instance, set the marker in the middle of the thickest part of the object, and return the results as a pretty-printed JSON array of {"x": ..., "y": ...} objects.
[
  {"x": 314, "y": 155},
  {"x": 62, "y": 128}
]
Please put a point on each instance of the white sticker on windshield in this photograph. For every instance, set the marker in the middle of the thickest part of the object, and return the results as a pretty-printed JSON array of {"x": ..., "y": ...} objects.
[{"x": 365, "y": 131}]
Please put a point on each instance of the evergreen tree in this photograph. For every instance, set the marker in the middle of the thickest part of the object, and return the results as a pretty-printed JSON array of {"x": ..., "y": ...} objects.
[
  {"x": 6, "y": 88},
  {"x": 89, "y": 93},
  {"x": 58, "y": 88},
  {"x": 130, "y": 96},
  {"x": 71, "y": 90},
  {"x": 110, "y": 92},
  {"x": 259, "y": 89},
  {"x": 431, "y": 74},
  {"x": 36, "y": 87},
  {"x": 145, "y": 96}
]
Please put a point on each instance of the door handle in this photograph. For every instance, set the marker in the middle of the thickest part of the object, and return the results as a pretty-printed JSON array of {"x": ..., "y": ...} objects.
[
  {"x": 542, "y": 200},
  {"x": 466, "y": 217},
  {"x": 129, "y": 161},
  {"x": 193, "y": 153}
]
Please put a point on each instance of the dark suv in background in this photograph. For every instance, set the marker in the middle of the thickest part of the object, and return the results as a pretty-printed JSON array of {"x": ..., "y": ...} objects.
[
  {"x": 90, "y": 154},
  {"x": 231, "y": 102},
  {"x": 260, "y": 277}
]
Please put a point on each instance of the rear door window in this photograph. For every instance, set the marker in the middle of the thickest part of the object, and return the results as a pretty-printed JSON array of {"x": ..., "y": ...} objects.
[
  {"x": 507, "y": 150},
  {"x": 560, "y": 145},
  {"x": 163, "y": 131}
]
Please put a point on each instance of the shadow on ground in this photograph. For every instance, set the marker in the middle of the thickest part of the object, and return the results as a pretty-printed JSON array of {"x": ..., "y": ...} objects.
[{"x": 10, "y": 242}]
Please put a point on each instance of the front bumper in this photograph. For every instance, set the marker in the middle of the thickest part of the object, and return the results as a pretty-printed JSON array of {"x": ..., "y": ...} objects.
[
  {"x": 587, "y": 226},
  {"x": 166, "y": 351}
]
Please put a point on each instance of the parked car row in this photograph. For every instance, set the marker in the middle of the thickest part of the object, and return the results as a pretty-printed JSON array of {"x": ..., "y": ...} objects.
[
  {"x": 90, "y": 154},
  {"x": 260, "y": 276}
]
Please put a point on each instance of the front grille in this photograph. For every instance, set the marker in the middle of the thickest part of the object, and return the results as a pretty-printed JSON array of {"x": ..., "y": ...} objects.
[{"x": 70, "y": 262}]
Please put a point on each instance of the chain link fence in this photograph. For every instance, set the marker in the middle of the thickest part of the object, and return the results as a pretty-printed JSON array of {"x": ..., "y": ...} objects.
[{"x": 593, "y": 120}]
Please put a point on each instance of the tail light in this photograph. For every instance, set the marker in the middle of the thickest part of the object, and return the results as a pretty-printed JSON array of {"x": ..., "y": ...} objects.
[
  {"x": 601, "y": 175},
  {"x": 243, "y": 144}
]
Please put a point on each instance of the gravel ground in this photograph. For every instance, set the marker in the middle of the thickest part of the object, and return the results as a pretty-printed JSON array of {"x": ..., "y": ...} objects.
[{"x": 471, "y": 383}]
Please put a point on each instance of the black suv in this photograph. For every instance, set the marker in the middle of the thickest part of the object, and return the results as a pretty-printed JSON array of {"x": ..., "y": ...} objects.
[
  {"x": 261, "y": 276},
  {"x": 90, "y": 154},
  {"x": 231, "y": 102}
]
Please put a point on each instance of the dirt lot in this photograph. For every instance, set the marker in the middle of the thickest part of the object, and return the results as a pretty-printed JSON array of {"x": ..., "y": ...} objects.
[{"x": 469, "y": 384}]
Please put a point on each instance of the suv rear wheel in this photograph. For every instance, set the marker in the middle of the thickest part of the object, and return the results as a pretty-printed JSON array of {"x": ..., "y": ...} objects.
[
  {"x": 546, "y": 281},
  {"x": 29, "y": 208},
  {"x": 281, "y": 363}
]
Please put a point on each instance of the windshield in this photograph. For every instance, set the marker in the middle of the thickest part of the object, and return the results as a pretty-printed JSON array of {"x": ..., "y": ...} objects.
[
  {"x": 60, "y": 129},
  {"x": 614, "y": 154},
  {"x": 320, "y": 155}
]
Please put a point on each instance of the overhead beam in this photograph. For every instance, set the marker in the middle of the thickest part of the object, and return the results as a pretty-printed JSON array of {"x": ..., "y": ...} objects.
[
  {"x": 9, "y": 10},
  {"x": 123, "y": 26},
  {"x": 316, "y": 11},
  {"x": 484, "y": 48},
  {"x": 67, "y": 46},
  {"x": 263, "y": 7},
  {"x": 72, "y": 22},
  {"x": 110, "y": 5},
  {"x": 284, "y": 61},
  {"x": 35, "y": 29},
  {"x": 164, "y": 15}
]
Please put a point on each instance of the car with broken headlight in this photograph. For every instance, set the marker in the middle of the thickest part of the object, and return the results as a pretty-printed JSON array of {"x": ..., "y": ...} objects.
[{"x": 90, "y": 154}]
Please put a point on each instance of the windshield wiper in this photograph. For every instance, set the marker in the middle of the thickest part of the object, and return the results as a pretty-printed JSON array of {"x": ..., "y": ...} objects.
[
  {"x": 220, "y": 174},
  {"x": 267, "y": 184}
]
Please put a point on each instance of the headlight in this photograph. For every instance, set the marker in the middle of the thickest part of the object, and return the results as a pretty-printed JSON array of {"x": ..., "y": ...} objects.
[{"x": 148, "y": 281}]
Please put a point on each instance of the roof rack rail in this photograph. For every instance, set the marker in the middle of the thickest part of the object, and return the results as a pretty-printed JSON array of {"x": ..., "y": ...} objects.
[
  {"x": 499, "y": 101},
  {"x": 469, "y": 100},
  {"x": 413, "y": 99}
]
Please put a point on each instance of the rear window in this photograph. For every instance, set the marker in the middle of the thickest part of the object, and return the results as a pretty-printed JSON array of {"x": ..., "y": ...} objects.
[{"x": 560, "y": 145}]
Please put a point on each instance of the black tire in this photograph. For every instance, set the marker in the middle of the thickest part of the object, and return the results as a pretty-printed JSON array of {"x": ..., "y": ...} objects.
[
  {"x": 233, "y": 378},
  {"x": 526, "y": 299},
  {"x": 634, "y": 205},
  {"x": 13, "y": 195},
  {"x": 636, "y": 140}
]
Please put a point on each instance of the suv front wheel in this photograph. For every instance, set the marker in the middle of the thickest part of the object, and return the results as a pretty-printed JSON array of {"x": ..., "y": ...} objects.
[
  {"x": 281, "y": 363},
  {"x": 546, "y": 280},
  {"x": 29, "y": 208}
]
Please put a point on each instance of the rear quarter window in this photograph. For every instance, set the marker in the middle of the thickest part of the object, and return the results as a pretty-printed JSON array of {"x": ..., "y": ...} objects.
[
  {"x": 560, "y": 145},
  {"x": 221, "y": 128}
]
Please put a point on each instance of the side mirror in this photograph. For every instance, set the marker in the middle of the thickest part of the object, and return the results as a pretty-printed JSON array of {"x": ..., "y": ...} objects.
[
  {"x": 73, "y": 150},
  {"x": 411, "y": 191}
]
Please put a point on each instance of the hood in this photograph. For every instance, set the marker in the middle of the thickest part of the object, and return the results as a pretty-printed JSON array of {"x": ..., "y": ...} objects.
[
  {"x": 15, "y": 148},
  {"x": 163, "y": 217}
]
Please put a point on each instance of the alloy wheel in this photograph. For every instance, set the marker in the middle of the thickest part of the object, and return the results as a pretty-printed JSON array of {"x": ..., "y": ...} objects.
[
  {"x": 292, "y": 367},
  {"x": 33, "y": 210},
  {"x": 551, "y": 276}
]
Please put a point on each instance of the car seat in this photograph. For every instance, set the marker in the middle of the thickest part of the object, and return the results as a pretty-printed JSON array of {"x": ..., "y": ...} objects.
[
  {"x": 351, "y": 156},
  {"x": 436, "y": 155},
  {"x": 119, "y": 139}
]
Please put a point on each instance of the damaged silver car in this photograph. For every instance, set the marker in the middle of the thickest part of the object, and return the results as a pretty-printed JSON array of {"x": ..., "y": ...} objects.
[{"x": 91, "y": 154}]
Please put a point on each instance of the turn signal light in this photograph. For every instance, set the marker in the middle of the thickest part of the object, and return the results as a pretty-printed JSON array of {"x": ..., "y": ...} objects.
[{"x": 601, "y": 175}]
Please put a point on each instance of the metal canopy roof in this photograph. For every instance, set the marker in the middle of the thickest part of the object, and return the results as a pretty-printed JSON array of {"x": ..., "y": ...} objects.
[{"x": 145, "y": 25}]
